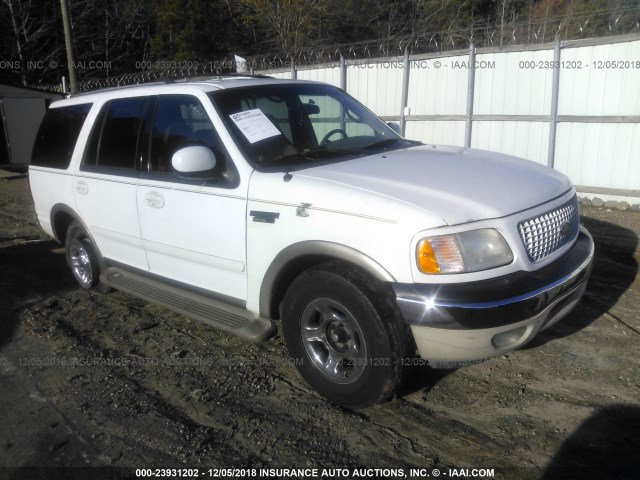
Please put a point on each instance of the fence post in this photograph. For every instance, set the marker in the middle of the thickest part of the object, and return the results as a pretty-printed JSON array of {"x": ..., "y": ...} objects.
[
  {"x": 470, "y": 93},
  {"x": 68, "y": 41},
  {"x": 553, "y": 117},
  {"x": 405, "y": 92},
  {"x": 294, "y": 72},
  {"x": 343, "y": 73}
]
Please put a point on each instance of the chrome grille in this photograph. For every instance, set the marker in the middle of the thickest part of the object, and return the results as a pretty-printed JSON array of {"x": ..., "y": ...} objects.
[{"x": 546, "y": 233}]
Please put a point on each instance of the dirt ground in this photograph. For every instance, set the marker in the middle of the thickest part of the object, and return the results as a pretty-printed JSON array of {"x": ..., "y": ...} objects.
[{"x": 92, "y": 380}]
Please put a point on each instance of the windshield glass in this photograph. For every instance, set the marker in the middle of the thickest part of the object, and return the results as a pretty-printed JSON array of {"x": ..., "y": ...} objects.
[{"x": 301, "y": 124}]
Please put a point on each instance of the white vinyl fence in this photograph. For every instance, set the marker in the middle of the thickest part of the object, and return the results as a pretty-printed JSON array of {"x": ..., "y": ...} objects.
[{"x": 573, "y": 105}]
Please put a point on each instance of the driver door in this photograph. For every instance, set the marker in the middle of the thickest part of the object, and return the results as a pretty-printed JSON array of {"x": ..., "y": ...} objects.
[{"x": 193, "y": 231}]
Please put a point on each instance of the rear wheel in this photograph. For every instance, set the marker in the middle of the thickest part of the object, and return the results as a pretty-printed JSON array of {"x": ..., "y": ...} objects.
[
  {"x": 82, "y": 257},
  {"x": 341, "y": 327}
]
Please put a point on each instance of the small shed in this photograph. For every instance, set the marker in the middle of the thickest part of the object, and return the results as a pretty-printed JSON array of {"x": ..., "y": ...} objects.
[{"x": 21, "y": 111}]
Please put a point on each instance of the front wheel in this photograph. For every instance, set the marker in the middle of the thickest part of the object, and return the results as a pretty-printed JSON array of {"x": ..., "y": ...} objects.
[{"x": 341, "y": 328}]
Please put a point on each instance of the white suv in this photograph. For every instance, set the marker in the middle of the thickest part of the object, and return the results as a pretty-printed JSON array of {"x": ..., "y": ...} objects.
[{"x": 241, "y": 201}]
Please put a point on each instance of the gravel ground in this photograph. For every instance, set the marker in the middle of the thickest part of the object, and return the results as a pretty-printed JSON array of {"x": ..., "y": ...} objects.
[{"x": 105, "y": 380}]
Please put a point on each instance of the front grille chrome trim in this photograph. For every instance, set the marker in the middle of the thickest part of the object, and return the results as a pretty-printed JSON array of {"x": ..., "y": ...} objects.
[{"x": 544, "y": 234}]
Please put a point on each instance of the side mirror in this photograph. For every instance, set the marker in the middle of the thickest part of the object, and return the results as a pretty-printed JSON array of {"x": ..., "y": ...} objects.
[
  {"x": 395, "y": 126},
  {"x": 194, "y": 163}
]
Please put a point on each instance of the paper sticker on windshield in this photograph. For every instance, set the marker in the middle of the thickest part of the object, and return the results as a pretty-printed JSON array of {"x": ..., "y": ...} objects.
[{"x": 255, "y": 125}]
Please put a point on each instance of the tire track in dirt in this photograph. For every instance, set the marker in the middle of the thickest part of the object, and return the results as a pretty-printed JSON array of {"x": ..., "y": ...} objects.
[{"x": 213, "y": 400}]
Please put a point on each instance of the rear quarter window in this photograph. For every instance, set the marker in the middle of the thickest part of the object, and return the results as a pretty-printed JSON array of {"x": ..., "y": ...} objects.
[
  {"x": 113, "y": 142},
  {"x": 58, "y": 135}
]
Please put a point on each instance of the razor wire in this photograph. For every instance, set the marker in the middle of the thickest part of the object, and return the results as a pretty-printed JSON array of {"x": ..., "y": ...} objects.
[
  {"x": 573, "y": 27},
  {"x": 570, "y": 27}
]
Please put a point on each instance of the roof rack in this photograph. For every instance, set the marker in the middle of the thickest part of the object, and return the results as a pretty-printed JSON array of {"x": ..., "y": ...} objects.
[
  {"x": 220, "y": 76},
  {"x": 117, "y": 87},
  {"x": 138, "y": 80}
]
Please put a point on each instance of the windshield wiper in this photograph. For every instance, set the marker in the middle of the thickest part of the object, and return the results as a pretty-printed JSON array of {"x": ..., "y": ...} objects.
[
  {"x": 311, "y": 155},
  {"x": 380, "y": 144},
  {"x": 388, "y": 142}
]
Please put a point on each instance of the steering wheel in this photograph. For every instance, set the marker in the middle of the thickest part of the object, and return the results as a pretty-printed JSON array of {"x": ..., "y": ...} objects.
[{"x": 326, "y": 138}]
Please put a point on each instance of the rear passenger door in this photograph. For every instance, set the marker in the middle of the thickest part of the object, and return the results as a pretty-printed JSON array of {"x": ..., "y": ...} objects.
[
  {"x": 193, "y": 231},
  {"x": 105, "y": 185}
]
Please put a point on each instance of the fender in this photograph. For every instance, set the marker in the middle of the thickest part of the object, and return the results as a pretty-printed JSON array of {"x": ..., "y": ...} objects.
[
  {"x": 298, "y": 256},
  {"x": 62, "y": 208}
]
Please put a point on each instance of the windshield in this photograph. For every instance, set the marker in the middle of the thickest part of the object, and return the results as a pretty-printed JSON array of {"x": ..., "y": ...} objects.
[{"x": 298, "y": 124}]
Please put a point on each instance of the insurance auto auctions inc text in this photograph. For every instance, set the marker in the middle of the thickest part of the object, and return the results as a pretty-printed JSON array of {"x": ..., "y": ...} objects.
[{"x": 331, "y": 473}]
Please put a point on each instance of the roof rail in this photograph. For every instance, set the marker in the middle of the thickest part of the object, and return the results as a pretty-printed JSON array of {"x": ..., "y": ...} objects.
[
  {"x": 140, "y": 81},
  {"x": 162, "y": 81}
]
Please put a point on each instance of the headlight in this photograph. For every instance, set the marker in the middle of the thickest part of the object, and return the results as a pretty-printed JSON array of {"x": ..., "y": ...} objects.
[{"x": 463, "y": 252}]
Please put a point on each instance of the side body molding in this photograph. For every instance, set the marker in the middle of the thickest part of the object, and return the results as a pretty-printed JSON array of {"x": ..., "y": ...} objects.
[{"x": 296, "y": 257}]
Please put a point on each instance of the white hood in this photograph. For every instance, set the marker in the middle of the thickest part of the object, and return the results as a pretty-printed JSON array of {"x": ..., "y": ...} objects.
[{"x": 456, "y": 184}]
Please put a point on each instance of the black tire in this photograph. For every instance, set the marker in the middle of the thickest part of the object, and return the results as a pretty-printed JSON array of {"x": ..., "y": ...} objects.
[
  {"x": 342, "y": 329},
  {"x": 82, "y": 258}
]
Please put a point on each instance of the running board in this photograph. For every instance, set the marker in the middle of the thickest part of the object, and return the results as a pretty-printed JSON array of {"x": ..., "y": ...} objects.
[{"x": 231, "y": 319}]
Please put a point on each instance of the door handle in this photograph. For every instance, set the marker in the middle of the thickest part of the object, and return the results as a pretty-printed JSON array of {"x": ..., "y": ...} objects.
[
  {"x": 154, "y": 200},
  {"x": 82, "y": 188}
]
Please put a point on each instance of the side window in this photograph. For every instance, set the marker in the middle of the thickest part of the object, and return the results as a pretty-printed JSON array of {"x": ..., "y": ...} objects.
[
  {"x": 58, "y": 135},
  {"x": 114, "y": 138},
  {"x": 180, "y": 121},
  {"x": 4, "y": 148}
]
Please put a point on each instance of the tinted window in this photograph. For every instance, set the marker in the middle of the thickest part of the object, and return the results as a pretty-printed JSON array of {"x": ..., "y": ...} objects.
[
  {"x": 4, "y": 152},
  {"x": 114, "y": 139},
  {"x": 58, "y": 135},
  {"x": 180, "y": 121}
]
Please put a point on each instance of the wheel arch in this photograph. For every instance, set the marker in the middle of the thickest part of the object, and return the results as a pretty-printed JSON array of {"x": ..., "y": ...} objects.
[
  {"x": 61, "y": 217},
  {"x": 296, "y": 258}
]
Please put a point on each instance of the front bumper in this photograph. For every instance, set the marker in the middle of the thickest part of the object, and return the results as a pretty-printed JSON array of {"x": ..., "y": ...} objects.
[{"x": 457, "y": 323}]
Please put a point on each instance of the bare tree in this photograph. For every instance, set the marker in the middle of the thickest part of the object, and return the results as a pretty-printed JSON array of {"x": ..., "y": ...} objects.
[
  {"x": 109, "y": 33},
  {"x": 444, "y": 20},
  {"x": 504, "y": 18},
  {"x": 288, "y": 20},
  {"x": 28, "y": 30}
]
